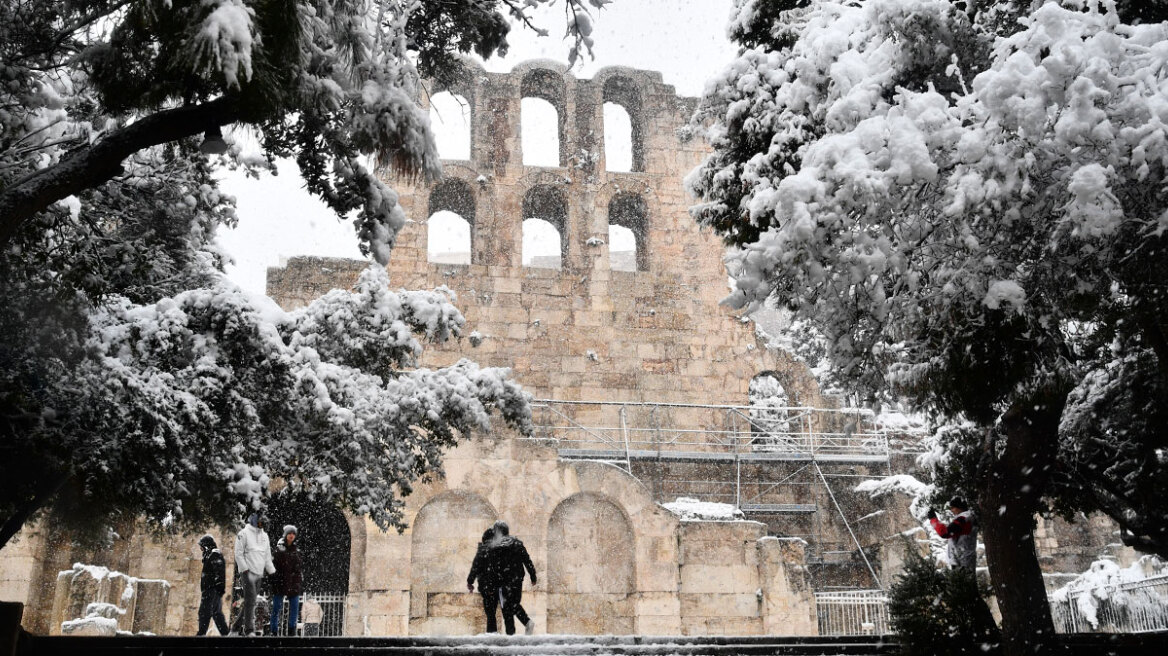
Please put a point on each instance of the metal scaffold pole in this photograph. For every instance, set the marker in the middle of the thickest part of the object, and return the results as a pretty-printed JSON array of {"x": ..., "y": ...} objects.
[{"x": 875, "y": 579}]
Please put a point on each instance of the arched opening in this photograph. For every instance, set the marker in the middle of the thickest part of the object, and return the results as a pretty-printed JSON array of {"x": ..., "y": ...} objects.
[
  {"x": 771, "y": 421},
  {"x": 449, "y": 231},
  {"x": 622, "y": 248},
  {"x": 541, "y": 245},
  {"x": 545, "y": 217},
  {"x": 621, "y": 91},
  {"x": 446, "y": 533},
  {"x": 447, "y": 239},
  {"x": 324, "y": 543},
  {"x": 540, "y": 135},
  {"x": 450, "y": 121},
  {"x": 543, "y": 124},
  {"x": 591, "y": 571},
  {"x": 618, "y": 138},
  {"x": 628, "y": 211}
]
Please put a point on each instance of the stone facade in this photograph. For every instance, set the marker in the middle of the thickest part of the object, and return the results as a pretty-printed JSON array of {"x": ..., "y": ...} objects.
[
  {"x": 584, "y": 331},
  {"x": 610, "y": 559}
]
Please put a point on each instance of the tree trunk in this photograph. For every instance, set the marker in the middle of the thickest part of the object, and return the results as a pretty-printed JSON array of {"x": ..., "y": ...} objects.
[
  {"x": 16, "y": 521},
  {"x": 1010, "y": 499}
]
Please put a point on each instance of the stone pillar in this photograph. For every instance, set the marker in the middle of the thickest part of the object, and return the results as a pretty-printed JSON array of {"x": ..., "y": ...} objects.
[
  {"x": 788, "y": 600},
  {"x": 720, "y": 578},
  {"x": 151, "y": 596},
  {"x": 76, "y": 589}
]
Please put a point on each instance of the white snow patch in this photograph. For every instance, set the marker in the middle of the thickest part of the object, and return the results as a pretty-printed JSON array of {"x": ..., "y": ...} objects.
[{"x": 690, "y": 509}]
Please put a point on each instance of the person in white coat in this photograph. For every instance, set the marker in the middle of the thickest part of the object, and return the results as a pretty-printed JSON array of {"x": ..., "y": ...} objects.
[{"x": 253, "y": 559}]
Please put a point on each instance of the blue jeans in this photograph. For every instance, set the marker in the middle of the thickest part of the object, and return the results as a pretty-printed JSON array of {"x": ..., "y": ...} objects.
[{"x": 293, "y": 613}]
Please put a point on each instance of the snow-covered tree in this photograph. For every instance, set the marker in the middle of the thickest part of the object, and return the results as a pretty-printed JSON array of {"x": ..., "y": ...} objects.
[
  {"x": 968, "y": 199},
  {"x": 135, "y": 381},
  {"x": 87, "y": 83}
]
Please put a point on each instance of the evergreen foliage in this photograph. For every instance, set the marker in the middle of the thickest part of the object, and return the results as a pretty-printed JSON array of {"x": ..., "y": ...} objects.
[
  {"x": 135, "y": 380},
  {"x": 940, "y": 612},
  {"x": 969, "y": 200}
]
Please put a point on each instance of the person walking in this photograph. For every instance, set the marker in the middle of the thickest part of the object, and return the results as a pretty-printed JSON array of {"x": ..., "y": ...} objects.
[
  {"x": 212, "y": 585},
  {"x": 288, "y": 582},
  {"x": 960, "y": 534},
  {"x": 253, "y": 559},
  {"x": 510, "y": 559},
  {"x": 488, "y": 579}
]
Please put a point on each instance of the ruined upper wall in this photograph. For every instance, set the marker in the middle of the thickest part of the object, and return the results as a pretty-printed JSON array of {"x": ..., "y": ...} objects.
[{"x": 585, "y": 331}]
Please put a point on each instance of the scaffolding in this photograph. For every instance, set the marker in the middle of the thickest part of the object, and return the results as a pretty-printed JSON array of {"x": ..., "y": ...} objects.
[{"x": 767, "y": 461}]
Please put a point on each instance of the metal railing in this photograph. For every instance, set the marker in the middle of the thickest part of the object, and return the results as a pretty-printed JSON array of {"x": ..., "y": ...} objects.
[
  {"x": 1133, "y": 607},
  {"x": 332, "y": 614},
  {"x": 852, "y": 612},
  {"x": 627, "y": 430}
]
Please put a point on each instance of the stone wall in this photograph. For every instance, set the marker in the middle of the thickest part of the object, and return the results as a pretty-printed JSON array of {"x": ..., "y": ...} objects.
[{"x": 586, "y": 331}]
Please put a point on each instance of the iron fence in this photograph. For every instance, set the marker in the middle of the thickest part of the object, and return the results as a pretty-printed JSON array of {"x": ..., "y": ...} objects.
[
  {"x": 1133, "y": 607},
  {"x": 852, "y": 612},
  {"x": 332, "y": 614}
]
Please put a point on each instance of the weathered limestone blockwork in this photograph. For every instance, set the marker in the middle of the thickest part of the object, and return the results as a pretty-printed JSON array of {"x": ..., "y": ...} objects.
[{"x": 584, "y": 332}]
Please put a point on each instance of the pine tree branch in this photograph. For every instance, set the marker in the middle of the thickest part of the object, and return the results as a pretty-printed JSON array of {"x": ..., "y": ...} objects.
[{"x": 98, "y": 163}]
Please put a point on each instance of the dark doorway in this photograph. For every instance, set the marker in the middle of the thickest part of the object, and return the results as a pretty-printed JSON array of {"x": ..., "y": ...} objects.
[{"x": 324, "y": 544}]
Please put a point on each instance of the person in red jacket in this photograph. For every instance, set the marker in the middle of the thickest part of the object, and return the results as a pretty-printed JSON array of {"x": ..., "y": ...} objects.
[{"x": 961, "y": 534}]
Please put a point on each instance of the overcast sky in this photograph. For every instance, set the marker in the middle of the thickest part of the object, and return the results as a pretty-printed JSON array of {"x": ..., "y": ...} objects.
[{"x": 683, "y": 39}]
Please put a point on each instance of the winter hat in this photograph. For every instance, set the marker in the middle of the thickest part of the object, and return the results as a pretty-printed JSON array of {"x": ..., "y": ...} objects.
[
  {"x": 207, "y": 542},
  {"x": 289, "y": 528},
  {"x": 958, "y": 502}
]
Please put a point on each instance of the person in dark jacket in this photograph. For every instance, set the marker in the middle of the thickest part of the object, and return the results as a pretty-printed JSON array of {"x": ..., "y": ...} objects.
[
  {"x": 288, "y": 581},
  {"x": 509, "y": 558},
  {"x": 212, "y": 585},
  {"x": 488, "y": 580}
]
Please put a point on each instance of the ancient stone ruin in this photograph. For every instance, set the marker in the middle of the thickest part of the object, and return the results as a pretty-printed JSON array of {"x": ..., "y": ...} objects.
[{"x": 641, "y": 385}]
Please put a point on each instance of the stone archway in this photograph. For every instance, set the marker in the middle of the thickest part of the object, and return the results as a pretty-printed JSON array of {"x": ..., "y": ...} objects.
[
  {"x": 446, "y": 532},
  {"x": 325, "y": 545},
  {"x": 591, "y": 570}
]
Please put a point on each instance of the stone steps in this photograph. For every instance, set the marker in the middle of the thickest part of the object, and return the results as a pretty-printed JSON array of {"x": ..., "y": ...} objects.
[
  {"x": 465, "y": 646},
  {"x": 29, "y": 645}
]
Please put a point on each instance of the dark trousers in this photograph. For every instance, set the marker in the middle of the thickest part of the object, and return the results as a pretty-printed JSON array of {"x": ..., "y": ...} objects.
[
  {"x": 211, "y": 608},
  {"x": 490, "y": 606},
  {"x": 512, "y": 595}
]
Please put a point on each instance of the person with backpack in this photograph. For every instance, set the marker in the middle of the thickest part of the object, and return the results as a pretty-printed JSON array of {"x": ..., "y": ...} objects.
[
  {"x": 960, "y": 534},
  {"x": 212, "y": 585}
]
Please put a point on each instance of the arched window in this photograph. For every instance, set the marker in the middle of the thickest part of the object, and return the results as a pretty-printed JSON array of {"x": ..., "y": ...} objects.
[
  {"x": 450, "y": 120},
  {"x": 627, "y": 211},
  {"x": 545, "y": 214},
  {"x": 770, "y": 420},
  {"x": 541, "y": 245},
  {"x": 618, "y": 138},
  {"x": 447, "y": 238},
  {"x": 541, "y": 141},
  {"x": 324, "y": 544},
  {"x": 621, "y": 91},
  {"x": 449, "y": 231},
  {"x": 622, "y": 248},
  {"x": 542, "y": 116}
]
